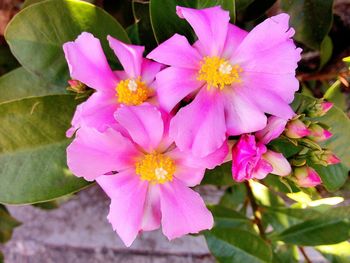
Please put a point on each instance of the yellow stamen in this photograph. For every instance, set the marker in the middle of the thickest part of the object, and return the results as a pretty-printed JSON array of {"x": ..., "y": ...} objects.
[
  {"x": 156, "y": 168},
  {"x": 218, "y": 72},
  {"x": 132, "y": 91}
]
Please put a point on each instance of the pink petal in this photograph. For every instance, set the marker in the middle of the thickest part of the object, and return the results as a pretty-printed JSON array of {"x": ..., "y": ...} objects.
[
  {"x": 284, "y": 85},
  {"x": 93, "y": 154},
  {"x": 269, "y": 102},
  {"x": 144, "y": 124},
  {"x": 128, "y": 194},
  {"x": 235, "y": 36},
  {"x": 149, "y": 70},
  {"x": 188, "y": 174},
  {"x": 279, "y": 163},
  {"x": 176, "y": 51},
  {"x": 97, "y": 112},
  {"x": 200, "y": 126},
  {"x": 210, "y": 161},
  {"x": 262, "y": 169},
  {"x": 130, "y": 56},
  {"x": 242, "y": 116},
  {"x": 183, "y": 210},
  {"x": 88, "y": 64},
  {"x": 274, "y": 128},
  {"x": 173, "y": 84},
  {"x": 209, "y": 24},
  {"x": 152, "y": 215}
]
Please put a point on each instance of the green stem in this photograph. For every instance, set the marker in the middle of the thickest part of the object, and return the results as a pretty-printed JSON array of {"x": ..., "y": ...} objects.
[{"x": 256, "y": 211}]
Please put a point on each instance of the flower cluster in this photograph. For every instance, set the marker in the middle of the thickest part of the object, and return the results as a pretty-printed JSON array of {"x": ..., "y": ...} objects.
[{"x": 148, "y": 132}]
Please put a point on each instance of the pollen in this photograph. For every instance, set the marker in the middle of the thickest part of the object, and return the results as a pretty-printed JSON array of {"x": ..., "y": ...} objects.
[
  {"x": 156, "y": 168},
  {"x": 218, "y": 72},
  {"x": 132, "y": 92}
]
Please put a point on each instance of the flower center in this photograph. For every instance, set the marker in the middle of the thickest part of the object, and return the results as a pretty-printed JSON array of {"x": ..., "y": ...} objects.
[
  {"x": 132, "y": 91},
  {"x": 156, "y": 168},
  {"x": 218, "y": 72}
]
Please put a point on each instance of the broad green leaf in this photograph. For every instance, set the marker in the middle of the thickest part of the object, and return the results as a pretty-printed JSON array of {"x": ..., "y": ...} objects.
[
  {"x": 234, "y": 197},
  {"x": 228, "y": 218},
  {"x": 311, "y": 19},
  {"x": 285, "y": 254},
  {"x": 220, "y": 175},
  {"x": 37, "y": 33},
  {"x": 333, "y": 176},
  {"x": 143, "y": 21},
  {"x": 255, "y": 10},
  {"x": 326, "y": 50},
  {"x": 166, "y": 23},
  {"x": 235, "y": 245},
  {"x": 337, "y": 253},
  {"x": 33, "y": 149},
  {"x": 7, "y": 224},
  {"x": 30, "y": 2},
  {"x": 20, "y": 84},
  {"x": 314, "y": 232}
]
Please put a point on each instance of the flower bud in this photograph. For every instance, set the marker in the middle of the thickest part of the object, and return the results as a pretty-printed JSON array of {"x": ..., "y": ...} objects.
[
  {"x": 306, "y": 176},
  {"x": 296, "y": 129},
  {"x": 318, "y": 133},
  {"x": 76, "y": 86},
  {"x": 280, "y": 164},
  {"x": 274, "y": 128},
  {"x": 319, "y": 109},
  {"x": 324, "y": 158}
]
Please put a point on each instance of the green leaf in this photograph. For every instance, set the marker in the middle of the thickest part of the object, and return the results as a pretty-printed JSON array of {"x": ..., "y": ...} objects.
[
  {"x": 220, "y": 175},
  {"x": 20, "y": 84},
  {"x": 255, "y": 10},
  {"x": 338, "y": 253},
  {"x": 285, "y": 254},
  {"x": 311, "y": 19},
  {"x": 141, "y": 11},
  {"x": 316, "y": 232},
  {"x": 7, "y": 224},
  {"x": 234, "y": 197},
  {"x": 30, "y": 2},
  {"x": 326, "y": 50},
  {"x": 166, "y": 23},
  {"x": 235, "y": 245},
  {"x": 333, "y": 176},
  {"x": 228, "y": 218},
  {"x": 33, "y": 149},
  {"x": 37, "y": 33}
]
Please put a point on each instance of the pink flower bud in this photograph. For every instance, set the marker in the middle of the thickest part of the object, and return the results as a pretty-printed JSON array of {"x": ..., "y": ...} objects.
[
  {"x": 274, "y": 128},
  {"x": 306, "y": 176},
  {"x": 76, "y": 86},
  {"x": 318, "y": 133},
  {"x": 330, "y": 158},
  {"x": 319, "y": 109},
  {"x": 296, "y": 129},
  {"x": 280, "y": 164}
]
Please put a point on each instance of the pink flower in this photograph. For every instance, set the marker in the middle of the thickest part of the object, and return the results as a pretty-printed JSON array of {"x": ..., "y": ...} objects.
[
  {"x": 306, "y": 176},
  {"x": 318, "y": 133},
  {"x": 88, "y": 64},
  {"x": 296, "y": 129},
  {"x": 251, "y": 158},
  {"x": 235, "y": 77},
  {"x": 151, "y": 180}
]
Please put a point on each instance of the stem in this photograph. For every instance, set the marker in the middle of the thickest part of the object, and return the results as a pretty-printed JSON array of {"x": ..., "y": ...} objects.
[
  {"x": 256, "y": 212},
  {"x": 307, "y": 259}
]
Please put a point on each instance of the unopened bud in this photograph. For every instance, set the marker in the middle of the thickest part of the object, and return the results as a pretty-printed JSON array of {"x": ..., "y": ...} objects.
[
  {"x": 76, "y": 86},
  {"x": 319, "y": 109},
  {"x": 325, "y": 157},
  {"x": 296, "y": 129},
  {"x": 306, "y": 176},
  {"x": 318, "y": 133}
]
